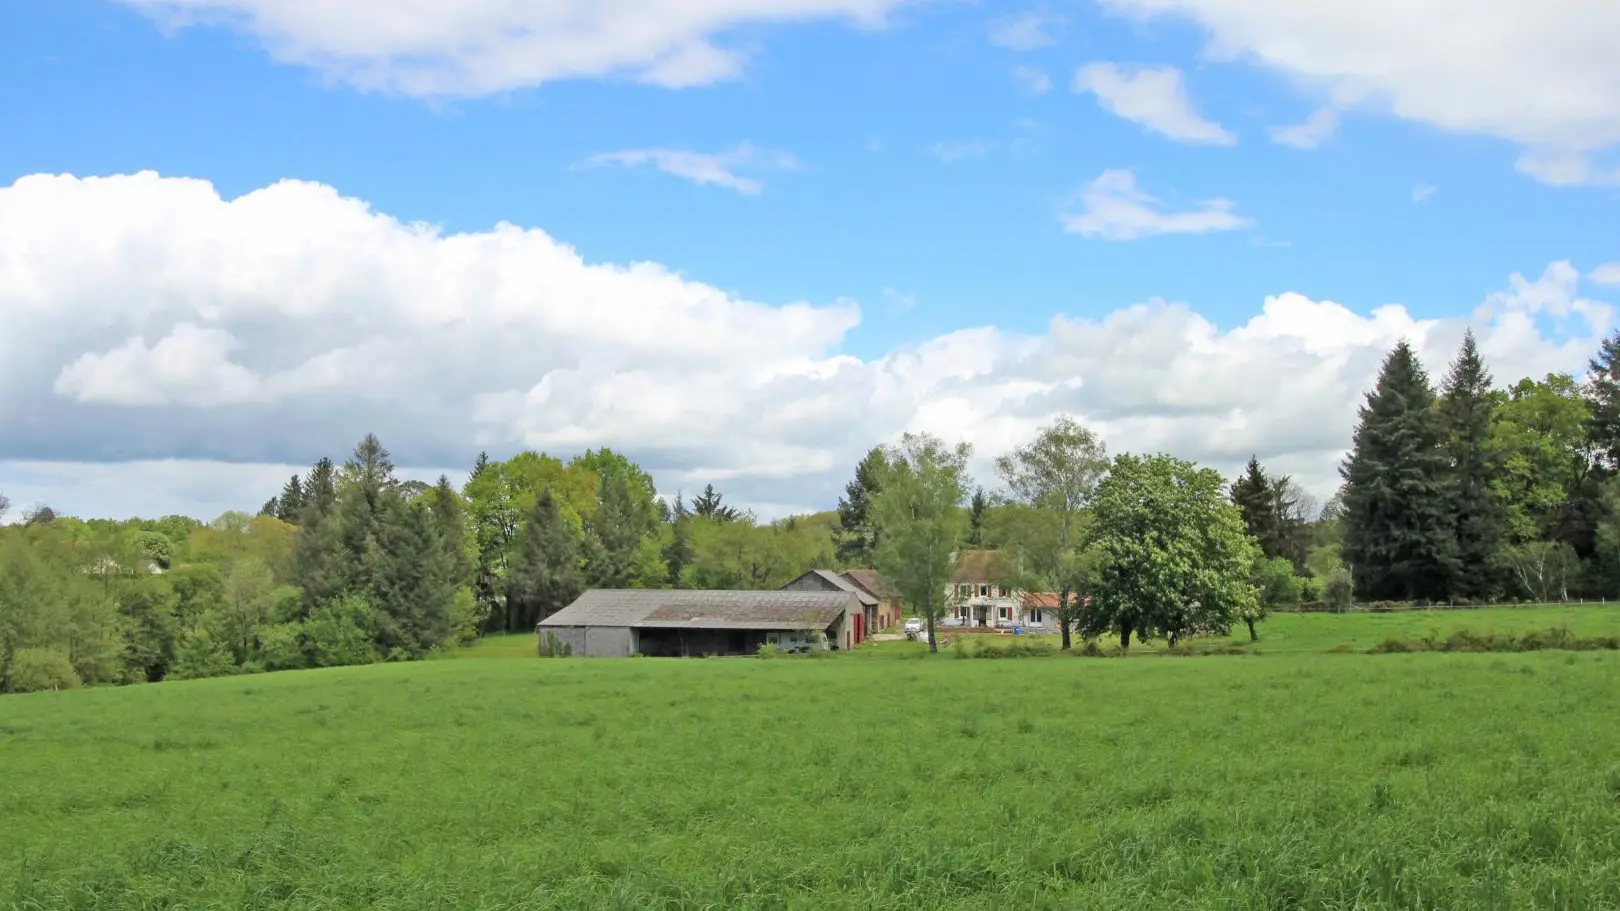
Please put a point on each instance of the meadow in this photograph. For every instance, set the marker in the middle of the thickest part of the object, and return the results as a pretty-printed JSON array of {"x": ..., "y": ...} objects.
[{"x": 1295, "y": 778}]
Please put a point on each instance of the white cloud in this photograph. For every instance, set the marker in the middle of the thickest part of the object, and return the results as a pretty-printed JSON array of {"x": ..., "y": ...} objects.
[
  {"x": 166, "y": 350},
  {"x": 1154, "y": 97},
  {"x": 1564, "y": 168},
  {"x": 960, "y": 150},
  {"x": 1033, "y": 79},
  {"x": 1607, "y": 274},
  {"x": 1422, "y": 192},
  {"x": 475, "y": 47},
  {"x": 1312, "y": 132},
  {"x": 719, "y": 169},
  {"x": 1542, "y": 75},
  {"x": 1114, "y": 208},
  {"x": 1027, "y": 31},
  {"x": 900, "y": 300}
]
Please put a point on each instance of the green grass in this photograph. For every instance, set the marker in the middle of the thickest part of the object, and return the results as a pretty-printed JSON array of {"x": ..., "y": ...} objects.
[
  {"x": 1252, "y": 782},
  {"x": 510, "y": 645},
  {"x": 1299, "y": 633}
]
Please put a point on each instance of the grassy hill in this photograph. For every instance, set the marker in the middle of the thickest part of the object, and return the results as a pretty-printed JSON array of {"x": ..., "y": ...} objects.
[{"x": 1275, "y": 781}]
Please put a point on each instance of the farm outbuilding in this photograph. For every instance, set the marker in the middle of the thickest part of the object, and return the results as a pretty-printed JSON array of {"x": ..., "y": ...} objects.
[{"x": 618, "y": 623}]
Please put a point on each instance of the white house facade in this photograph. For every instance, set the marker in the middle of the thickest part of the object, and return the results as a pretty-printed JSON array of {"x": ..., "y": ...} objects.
[{"x": 976, "y": 597}]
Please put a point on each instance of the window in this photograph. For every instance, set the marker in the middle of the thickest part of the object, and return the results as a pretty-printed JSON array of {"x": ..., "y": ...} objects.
[
  {"x": 984, "y": 591},
  {"x": 1004, "y": 613},
  {"x": 1037, "y": 617}
]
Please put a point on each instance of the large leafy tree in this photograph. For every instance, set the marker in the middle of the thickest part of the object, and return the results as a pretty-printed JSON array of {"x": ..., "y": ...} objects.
[
  {"x": 856, "y": 535},
  {"x": 1546, "y": 476},
  {"x": 1054, "y": 478},
  {"x": 1400, "y": 537},
  {"x": 1172, "y": 554},
  {"x": 919, "y": 520},
  {"x": 1468, "y": 407}
]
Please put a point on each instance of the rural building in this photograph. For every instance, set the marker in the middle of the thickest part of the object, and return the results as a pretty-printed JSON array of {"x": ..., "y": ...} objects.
[
  {"x": 880, "y": 603},
  {"x": 890, "y": 610},
  {"x": 618, "y": 623},
  {"x": 980, "y": 596}
]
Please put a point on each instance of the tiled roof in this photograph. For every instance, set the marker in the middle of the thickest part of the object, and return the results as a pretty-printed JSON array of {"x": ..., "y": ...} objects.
[
  {"x": 654, "y": 608},
  {"x": 839, "y": 582},
  {"x": 871, "y": 581},
  {"x": 981, "y": 566},
  {"x": 1047, "y": 600}
]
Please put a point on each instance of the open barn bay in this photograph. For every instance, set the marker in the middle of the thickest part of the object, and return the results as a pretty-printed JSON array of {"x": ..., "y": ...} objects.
[{"x": 1320, "y": 781}]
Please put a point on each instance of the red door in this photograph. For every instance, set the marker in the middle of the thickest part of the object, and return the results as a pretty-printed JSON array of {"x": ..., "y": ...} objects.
[{"x": 860, "y": 628}]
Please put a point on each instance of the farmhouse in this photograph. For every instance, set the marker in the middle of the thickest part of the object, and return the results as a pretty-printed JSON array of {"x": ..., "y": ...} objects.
[
  {"x": 979, "y": 595},
  {"x": 618, "y": 623}
]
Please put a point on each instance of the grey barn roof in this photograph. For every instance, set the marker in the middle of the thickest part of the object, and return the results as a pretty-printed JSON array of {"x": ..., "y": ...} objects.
[
  {"x": 664, "y": 609},
  {"x": 843, "y": 584}
]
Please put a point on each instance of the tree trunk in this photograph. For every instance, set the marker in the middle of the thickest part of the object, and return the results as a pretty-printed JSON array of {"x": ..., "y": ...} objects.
[
  {"x": 1063, "y": 616},
  {"x": 928, "y": 614},
  {"x": 1125, "y": 637},
  {"x": 1253, "y": 636}
]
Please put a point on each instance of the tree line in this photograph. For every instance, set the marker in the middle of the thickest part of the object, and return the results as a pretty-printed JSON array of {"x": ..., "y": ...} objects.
[
  {"x": 349, "y": 564},
  {"x": 1465, "y": 492}
]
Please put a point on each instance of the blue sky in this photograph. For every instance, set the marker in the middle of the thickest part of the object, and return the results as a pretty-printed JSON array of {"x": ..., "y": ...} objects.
[{"x": 913, "y": 167}]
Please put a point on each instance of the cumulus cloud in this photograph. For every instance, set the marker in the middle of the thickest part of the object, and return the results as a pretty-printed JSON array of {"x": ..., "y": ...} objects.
[
  {"x": 475, "y": 47},
  {"x": 719, "y": 169},
  {"x": 1027, "y": 31},
  {"x": 1607, "y": 274},
  {"x": 163, "y": 349},
  {"x": 1542, "y": 75},
  {"x": 1311, "y": 133},
  {"x": 1112, "y": 207},
  {"x": 1153, "y": 96}
]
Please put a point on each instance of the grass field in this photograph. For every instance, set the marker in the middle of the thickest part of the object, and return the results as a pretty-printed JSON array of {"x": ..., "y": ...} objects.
[{"x": 1296, "y": 780}]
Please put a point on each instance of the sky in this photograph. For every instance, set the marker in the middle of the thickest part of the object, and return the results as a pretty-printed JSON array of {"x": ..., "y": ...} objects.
[{"x": 743, "y": 242}]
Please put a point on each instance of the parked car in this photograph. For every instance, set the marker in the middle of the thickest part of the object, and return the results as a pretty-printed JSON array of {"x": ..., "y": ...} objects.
[{"x": 914, "y": 628}]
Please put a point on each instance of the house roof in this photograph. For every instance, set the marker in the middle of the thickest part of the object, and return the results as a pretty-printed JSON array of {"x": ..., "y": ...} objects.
[
  {"x": 871, "y": 582},
  {"x": 981, "y": 566},
  {"x": 1047, "y": 600},
  {"x": 664, "y": 609},
  {"x": 867, "y": 599}
]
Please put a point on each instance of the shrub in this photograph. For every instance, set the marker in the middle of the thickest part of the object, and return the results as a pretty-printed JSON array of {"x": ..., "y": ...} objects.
[
  {"x": 340, "y": 632},
  {"x": 767, "y": 650},
  {"x": 1338, "y": 591},
  {"x": 36, "y": 670}
]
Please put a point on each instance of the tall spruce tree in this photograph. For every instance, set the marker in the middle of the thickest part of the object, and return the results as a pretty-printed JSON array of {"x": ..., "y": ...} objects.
[
  {"x": 1400, "y": 538},
  {"x": 1255, "y": 496},
  {"x": 1468, "y": 409},
  {"x": 857, "y": 534},
  {"x": 976, "y": 512},
  {"x": 415, "y": 583},
  {"x": 678, "y": 553},
  {"x": 1603, "y": 394},
  {"x": 290, "y": 505},
  {"x": 320, "y": 488},
  {"x": 614, "y": 534},
  {"x": 710, "y": 505},
  {"x": 545, "y": 574}
]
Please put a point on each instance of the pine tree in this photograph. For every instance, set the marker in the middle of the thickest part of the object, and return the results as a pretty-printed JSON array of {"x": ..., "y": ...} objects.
[
  {"x": 271, "y": 507},
  {"x": 976, "y": 510},
  {"x": 1603, "y": 395},
  {"x": 678, "y": 553},
  {"x": 1399, "y": 535},
  {"x": 413, "y": 583},
  {"x": 1256, "y": 497},
  {"x": 1468, "y": 410},
  {"x": 320, "y": 488},
  {"x": 290, "y": 505},
  {"x": 451, "y": 516},
  {"x": 479, "y": 465},
  {"x": 614, "y": 535},
  {"x": 857, "y": 535},
  {"x": 710, "y": 506},
  {"x": 545, "y": 575}
]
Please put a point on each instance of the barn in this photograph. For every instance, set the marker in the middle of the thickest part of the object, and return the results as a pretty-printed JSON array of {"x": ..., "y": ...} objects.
[{"x": 618, "y": 623}]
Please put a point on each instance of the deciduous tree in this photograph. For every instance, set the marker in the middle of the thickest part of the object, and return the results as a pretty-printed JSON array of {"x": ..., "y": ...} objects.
[
  {"x": 1055, "y": 477},
  {"x": 918, "y": 517},
  {"x": 1173, "y": 557}
]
